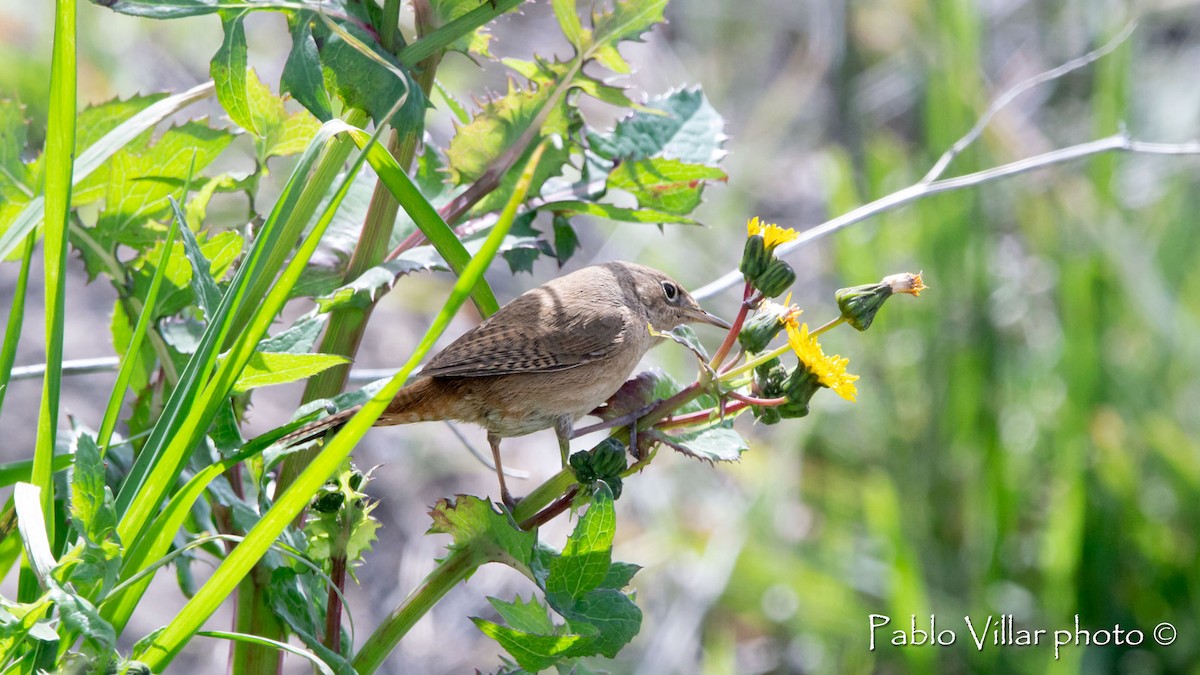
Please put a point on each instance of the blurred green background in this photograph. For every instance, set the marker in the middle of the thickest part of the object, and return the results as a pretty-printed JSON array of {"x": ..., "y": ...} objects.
[{"x": 1026, "y": 438}]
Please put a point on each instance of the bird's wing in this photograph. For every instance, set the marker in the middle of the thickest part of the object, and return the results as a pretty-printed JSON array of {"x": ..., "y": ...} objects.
[{"x": 530, "y": 335}]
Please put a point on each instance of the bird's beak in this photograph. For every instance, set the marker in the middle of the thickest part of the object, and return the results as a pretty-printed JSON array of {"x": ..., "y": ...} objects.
[{"x": 700, "y": 316}]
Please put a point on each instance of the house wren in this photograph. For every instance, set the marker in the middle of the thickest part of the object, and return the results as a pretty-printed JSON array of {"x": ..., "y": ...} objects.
[{"x": 545, "y": 359}]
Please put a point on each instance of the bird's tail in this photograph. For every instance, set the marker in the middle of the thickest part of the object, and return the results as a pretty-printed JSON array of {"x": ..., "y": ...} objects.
[{"x": 411, "y": 404}]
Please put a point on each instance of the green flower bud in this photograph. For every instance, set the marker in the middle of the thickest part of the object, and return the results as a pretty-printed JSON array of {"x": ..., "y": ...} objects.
[
  {"x": 755, "y": 257},
  {"x": 792, "y": 410},
  {"x": 769, "y": 378},
  {"x": 758, "y": 332},
  {"x": 767, "y": 414},
  {"x": 860, "y": 304},
  {"x": 608, "y": 458},
  {"x": 777, "y": 278},
  {"x": 581, "y": 462},
  {"x": 799, "y": 387}
]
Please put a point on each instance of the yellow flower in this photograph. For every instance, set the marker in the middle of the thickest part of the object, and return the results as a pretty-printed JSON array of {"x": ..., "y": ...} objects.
[
  {"x": 829, "y": 370},
  {"x": 791, "y": 313},
  {"x": 773, "y": 235}
]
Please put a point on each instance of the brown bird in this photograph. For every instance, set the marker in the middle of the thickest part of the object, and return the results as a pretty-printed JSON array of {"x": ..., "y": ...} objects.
[{"x": 545, "y": 359}]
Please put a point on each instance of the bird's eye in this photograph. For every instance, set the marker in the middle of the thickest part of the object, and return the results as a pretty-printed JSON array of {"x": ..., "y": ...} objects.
[{"x": 671, "y": 290}]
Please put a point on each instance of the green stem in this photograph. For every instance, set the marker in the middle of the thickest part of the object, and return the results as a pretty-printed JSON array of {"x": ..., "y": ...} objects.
[
  {"x": 456, "y": 567},
  {"x": 829, "y": 326}
]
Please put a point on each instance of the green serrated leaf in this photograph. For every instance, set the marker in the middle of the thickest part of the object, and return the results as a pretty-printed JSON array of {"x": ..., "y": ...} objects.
[
  {"x": 302, "y": 76},
  {"x": 664, "y": 184},
  {"x": 618, "y": 213},
  {"x": 228, "y": 71},
  {"x": 82, "y": 618},
  {"x": 13, "y": 231},
  {"x": 139, "y": 184},
  {"x": 362, "y": 82},
  {"x": 204, "y": 288},
  {"x": 96, "y": 121},
  {"x": 495, "y": 129},
  {"x": 612, "y": 614},
  {"x": 162, "y": 9},
  {"x": 15, "y": 177},
  {"x": 370, "y": 285},
  {"x": 554, "y": 158},
  {"x": 265, "y": 369},
  {"x": 719, "y": 443},
  {"x": 584, "y": 561},
  {"x": 627, "y": 20},
  {"x": 197, "y": 207},
  {"x": 530, "y": 617},
  {"x": 685, "y": 335},
  {"x": 533, "y": 652},
  {"x": 619, "y": 575},
  {"x": 492, "y": 536},
  {"x": 220, "y": 251},
  {"x": 279, "y": 133},
  {"x": 682, "y": 125},
  {"x": 298, "y": 339},
  {"x": 455, "y": 106},
  {"x": 568, "y": 20},
  {"x": 91, "y": 500}
]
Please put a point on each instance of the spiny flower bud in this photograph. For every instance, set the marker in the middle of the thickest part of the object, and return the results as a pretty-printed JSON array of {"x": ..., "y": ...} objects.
[{"x": 860, "y": 304}]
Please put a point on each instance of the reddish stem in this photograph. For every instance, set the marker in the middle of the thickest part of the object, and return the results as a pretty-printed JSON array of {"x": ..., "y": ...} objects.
[
  {"x": 553, "y": 510},
  {"x": 333, "y": 605},
  {"x": 731, "y": 337}
]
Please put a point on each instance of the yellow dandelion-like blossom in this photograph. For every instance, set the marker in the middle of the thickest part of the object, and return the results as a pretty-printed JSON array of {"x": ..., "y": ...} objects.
[
  {"x": 773, "y": 235},
  {"x": 829, "y": 370}
]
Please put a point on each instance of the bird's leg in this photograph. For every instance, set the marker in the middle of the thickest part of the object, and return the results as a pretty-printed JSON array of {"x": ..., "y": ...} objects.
[
  {"x": 494, "y": 441},
  {"x": 562, "y": 428}
]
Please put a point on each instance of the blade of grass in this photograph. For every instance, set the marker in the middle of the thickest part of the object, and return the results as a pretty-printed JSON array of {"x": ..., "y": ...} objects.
[
  {"x": 174, "y": 434},
  {"x": 117, "y": 398},
  {"x": 426, "y": 217},
  {"x": 16, "y": 317},
  {"x": 60, "y": 147},
  {"x": 99, "y": 152},
  {"x": 281, "y": 646},
  {"x": 167, "y": 643},
  {"x": 13, "y": 472}
]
